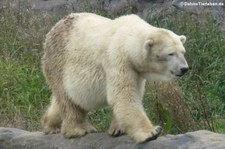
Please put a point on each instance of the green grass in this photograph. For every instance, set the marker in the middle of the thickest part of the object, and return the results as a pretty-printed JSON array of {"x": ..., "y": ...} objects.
[
  {"x": 23, "y": 91},
  {"x": 24, "y": 94}
]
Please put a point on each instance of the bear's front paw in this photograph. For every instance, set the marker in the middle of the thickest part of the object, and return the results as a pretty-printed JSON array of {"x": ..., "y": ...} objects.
[
  {"x": 115, "y": 132},
  {"x": 141, "y": 137}
]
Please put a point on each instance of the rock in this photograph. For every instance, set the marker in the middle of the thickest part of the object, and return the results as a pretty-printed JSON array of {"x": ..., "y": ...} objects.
[
  {"x": 12, "y": 138},
  {"x": 144, "y": 8},
  {"x": 201, "y": 7},
  {"x": 109, "y": 7}
]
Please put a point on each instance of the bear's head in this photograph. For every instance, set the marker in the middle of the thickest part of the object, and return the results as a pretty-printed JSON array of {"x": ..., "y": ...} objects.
[{"x": 163, "y": 56}]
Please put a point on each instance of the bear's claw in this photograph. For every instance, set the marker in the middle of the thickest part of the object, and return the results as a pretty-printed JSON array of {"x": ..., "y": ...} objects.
[
  {"x": 158, "y": 129},
  {"x": 155, "y": 134},
  {"x": 117, "y": 133}
]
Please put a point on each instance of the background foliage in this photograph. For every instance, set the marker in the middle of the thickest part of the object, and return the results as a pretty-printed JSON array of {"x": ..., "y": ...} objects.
[{"x": 197, "y": 101}]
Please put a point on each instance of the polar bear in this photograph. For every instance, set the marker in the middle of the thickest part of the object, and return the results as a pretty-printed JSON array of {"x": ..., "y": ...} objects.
[{"x": 91, "y": 61}]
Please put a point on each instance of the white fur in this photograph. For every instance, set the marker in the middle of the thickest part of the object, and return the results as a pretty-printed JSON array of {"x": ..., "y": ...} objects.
[
  {"x": 97, "y": 43},
  {"x": 95, "y": 61}
]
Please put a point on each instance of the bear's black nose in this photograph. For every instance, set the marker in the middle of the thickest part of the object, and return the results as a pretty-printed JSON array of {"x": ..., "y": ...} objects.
[{"x": 184, "y": 70}]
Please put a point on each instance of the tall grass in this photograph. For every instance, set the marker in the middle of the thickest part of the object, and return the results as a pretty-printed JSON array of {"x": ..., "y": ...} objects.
[
  {"x": 23, "y": 92},
  {"x": 197, "y": 104}
]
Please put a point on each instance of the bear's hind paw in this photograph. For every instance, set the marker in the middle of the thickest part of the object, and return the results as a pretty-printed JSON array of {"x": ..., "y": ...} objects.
[
  {"x": 51, "y": 130},
  {"x": 77, "y": 131},
  {"x": 74, "y": 133}
]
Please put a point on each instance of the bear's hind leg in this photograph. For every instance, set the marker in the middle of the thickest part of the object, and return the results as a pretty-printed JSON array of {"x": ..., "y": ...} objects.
[
  {"x": 51, "y": 120},
  {"x": 75, "y": 123}
]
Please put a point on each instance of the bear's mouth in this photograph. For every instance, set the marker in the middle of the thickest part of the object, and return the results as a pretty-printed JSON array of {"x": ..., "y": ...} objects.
[{"x": 177, "y": 75}]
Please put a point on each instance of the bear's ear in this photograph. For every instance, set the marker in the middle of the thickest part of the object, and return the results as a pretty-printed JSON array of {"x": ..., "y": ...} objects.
[
  {"x": 182, "y": 39},
  {"x": 148, "y": 44}
]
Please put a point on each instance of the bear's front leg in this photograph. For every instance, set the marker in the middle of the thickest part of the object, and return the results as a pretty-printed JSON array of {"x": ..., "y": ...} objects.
[
  {"x": 132, "y": 118},
  {"x": 124, "y": 95},
  {"x": 115, "y": 129}
]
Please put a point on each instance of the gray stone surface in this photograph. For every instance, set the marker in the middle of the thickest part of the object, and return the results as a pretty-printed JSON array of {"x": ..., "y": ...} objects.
[
  {"x": 12, "y": 138},
  {"x": 144, "y": 8}
]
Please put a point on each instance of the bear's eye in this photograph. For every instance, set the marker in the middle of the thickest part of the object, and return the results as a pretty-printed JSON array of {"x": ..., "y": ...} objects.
[{"x": 171, "y": 54}]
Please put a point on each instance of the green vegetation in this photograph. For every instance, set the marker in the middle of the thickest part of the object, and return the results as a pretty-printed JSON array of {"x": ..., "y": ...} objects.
[{"x": 24, "y": 94}]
